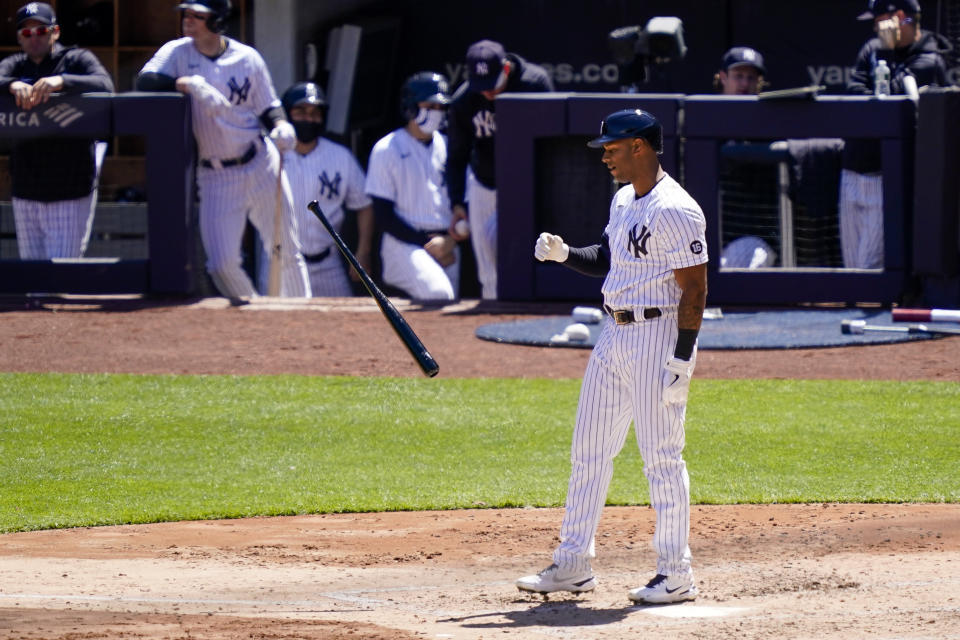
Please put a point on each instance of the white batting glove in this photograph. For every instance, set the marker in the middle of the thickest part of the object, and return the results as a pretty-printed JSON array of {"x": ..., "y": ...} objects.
[
  {"x": 550, "y": 247},
  {"x": 676, "y": 380},
  {"x": 284, "y": 136},
  {"x": 205, "y": 94}
]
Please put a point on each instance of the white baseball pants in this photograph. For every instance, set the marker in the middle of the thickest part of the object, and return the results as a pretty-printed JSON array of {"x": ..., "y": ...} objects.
[
  {"x": 409, "y": 267},
  {"x": 861, "y": 220},
  {"x": 58, "y": 229},
  {"x": 482, "y": 204},
  {"x": 623, "y": 383},
  {"x": 228, "y": 197}
]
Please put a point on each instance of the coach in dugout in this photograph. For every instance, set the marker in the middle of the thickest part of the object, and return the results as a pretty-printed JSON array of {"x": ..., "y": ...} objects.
[
  {"x": 472, "y": 128},
  {"x": 54, "y": 180}
]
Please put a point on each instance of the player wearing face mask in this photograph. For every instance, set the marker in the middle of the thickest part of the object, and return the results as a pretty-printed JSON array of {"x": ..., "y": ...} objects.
[
  {"x": 405, "y": 178},
  {"x": 322, "y": 170}
]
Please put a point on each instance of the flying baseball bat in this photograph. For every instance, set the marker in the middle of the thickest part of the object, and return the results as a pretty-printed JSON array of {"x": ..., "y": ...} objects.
[
  {"x": 859, "y": 327},
  {"x": 926, "y": 315},
  {"x": 394, "y": 317}
]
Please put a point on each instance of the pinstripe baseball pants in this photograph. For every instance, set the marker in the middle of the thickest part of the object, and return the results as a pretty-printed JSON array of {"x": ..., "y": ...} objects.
[
  {"x": 483, "y": 233},
  {"x": 861, "y": 220},
  {"x": 623, "y": 383},
  {"x": 58, "y": 229},
  {"x": 228, "y": 197}
]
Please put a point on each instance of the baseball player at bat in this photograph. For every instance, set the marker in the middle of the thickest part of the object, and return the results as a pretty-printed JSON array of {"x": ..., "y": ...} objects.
[
  {"x": 406, "y": 179},
  {"x": 653, "y": 256},
  {"x": 232, "y": 101}
]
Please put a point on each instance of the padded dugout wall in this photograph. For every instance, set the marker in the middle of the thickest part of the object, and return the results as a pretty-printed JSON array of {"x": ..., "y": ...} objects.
[
  {"x": 164, "y": 120},
  {"x": 527, "y": 122}
]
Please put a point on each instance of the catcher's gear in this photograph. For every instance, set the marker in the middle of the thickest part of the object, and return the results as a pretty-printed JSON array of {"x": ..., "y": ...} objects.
[
  {"x": 218, "y": 10},
  {"x": 551, "y": 247},
  {"x": 676, "y": 380},
  {"x": 630, "y": 123},
  {"x": 424, "y": 86}
]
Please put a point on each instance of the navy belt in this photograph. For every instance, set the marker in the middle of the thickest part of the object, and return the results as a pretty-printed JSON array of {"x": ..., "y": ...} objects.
[
  {"x": 231, "y": 162},
  {"x": 317, "y": 257},
  {"x": 626, "y": 316}
]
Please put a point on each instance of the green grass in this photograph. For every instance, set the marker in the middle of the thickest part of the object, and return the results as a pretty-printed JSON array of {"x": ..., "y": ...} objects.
[{"x": 107, "y": 449}]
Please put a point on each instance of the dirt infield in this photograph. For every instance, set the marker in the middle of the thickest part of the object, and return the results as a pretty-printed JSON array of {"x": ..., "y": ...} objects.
[{"x": 789, "y": 571}]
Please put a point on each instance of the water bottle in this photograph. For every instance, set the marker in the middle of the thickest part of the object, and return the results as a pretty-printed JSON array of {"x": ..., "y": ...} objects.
[{"x": 881, "y": 79}]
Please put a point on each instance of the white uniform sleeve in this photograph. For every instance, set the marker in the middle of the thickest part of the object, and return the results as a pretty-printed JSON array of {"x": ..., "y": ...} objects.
[
  {"x": 685, "y": 230},
  {"x": 166, "y": 60},
  {"x": 356, "y": 197},
  {"x": 380, "y": 178},
  {"x": 262, "y": 95}
]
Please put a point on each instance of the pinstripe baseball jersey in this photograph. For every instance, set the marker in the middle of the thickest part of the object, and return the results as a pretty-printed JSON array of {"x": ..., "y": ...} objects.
[
  {"x": 240, "y": 75},
  {"x": 411, "y": 175},
  {"x": 330, "y": 175},
  {"x": 649, "y": 237}
]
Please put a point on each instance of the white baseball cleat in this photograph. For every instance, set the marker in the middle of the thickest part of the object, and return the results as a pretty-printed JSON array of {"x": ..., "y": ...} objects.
[
  {"x": 665, "y": 589},
  {"x": 553, "y": 578}
]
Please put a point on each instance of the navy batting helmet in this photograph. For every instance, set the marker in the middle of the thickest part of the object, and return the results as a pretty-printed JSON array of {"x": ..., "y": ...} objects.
[
  {"x": 303, "y": 93},
  {"x": 219, "y": 11},
  {"x": 425, "y": 86},
  {"x": 630, "y": 123}
]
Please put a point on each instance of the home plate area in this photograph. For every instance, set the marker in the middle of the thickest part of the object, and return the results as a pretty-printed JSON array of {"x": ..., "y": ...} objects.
[{"x": 733, "y": 329}]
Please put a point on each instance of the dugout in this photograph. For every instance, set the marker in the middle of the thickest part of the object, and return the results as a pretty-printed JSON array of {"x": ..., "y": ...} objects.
[
  {"x": 150, "y": 245},
  {"x": 540, "y": 135}
]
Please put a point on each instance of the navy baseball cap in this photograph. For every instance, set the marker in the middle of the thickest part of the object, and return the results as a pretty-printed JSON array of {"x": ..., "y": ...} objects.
[
  {"x": 484, "y": 64},
  {"x": 879, "y": 7},
  {"x": 39, "y": 11},
  {"x": 743, "y": 56}
]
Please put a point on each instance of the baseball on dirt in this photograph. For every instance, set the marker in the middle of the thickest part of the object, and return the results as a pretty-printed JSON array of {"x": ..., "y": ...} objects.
[{"x": 462, "y": 227}]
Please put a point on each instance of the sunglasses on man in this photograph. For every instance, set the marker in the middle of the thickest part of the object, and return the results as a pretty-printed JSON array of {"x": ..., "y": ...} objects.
[{"x": 35, "y": 31}]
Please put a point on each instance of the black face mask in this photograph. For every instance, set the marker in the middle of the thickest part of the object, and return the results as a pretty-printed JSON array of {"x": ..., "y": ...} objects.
[{"x": 307, "y": 131}]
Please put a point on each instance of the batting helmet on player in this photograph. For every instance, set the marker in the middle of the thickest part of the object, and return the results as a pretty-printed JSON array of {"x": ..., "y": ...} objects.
[
  {"x": 303, "y": 93},
  {"x": 219, "y": 11},
  {"x": 425, "y": 86},
  {"x": 630, "y": 123}
]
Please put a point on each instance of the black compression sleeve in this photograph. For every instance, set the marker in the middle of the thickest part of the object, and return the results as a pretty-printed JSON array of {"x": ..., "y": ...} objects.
[
  {"x": 591, "y": 261},
  {"x": 271, "y": 117},
  {"x": 390, "y": 222}
]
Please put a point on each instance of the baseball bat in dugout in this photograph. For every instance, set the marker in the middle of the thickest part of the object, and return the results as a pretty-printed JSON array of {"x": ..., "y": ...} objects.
[
  {"x": 413, "y": 343},
  {"x": 276, "y": 250}
]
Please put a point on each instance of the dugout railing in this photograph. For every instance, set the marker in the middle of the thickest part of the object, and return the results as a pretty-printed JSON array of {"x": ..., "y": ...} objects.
[
  {"x": 163, "y": 121},
  {"x": 531, "y": 199}
]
